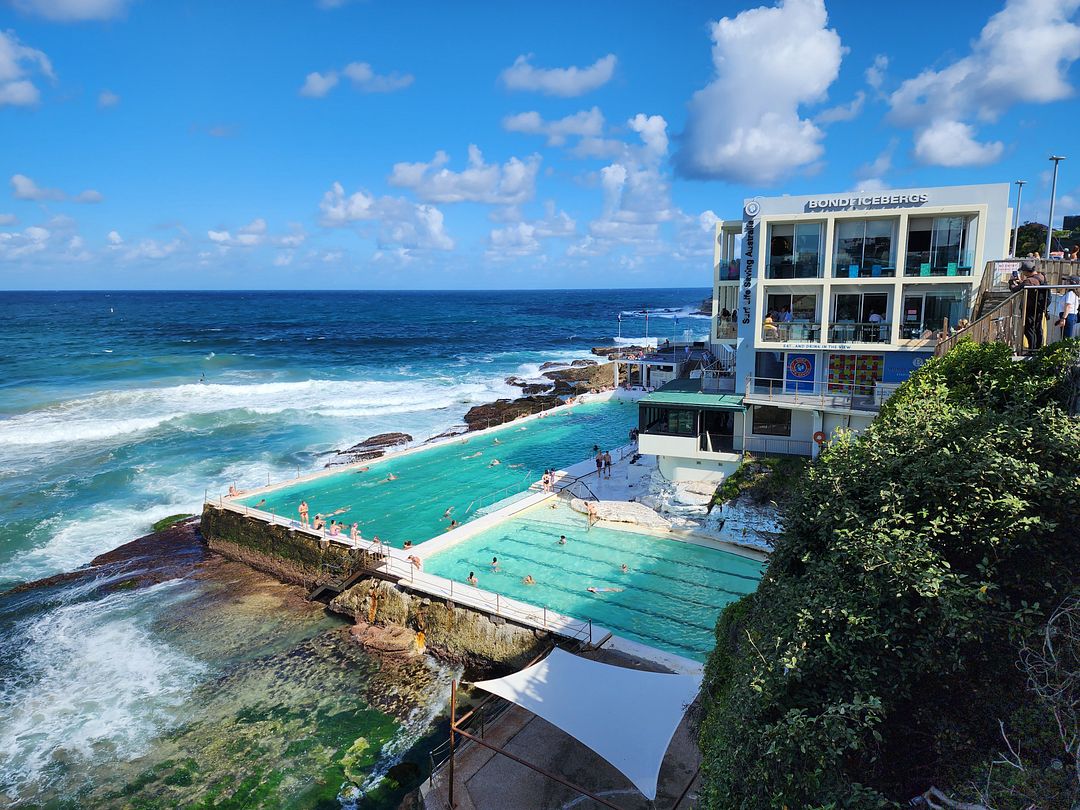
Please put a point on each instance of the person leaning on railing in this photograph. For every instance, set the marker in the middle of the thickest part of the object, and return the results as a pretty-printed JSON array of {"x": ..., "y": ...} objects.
[
  {"x": 1068, "y": 302},
  {"x": 1035, "y": 306}
]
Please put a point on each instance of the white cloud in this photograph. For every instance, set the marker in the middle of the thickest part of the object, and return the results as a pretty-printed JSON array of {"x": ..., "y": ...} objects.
[
  {"x": 73, "y": 10},
  {"x": 585, "y": 123},
  {"x": 19, "y": 244},
  {"x": 365, "y": 79},
  {"x": 566, "y": 82},
  {"x": 23, "y": 188},
  {"x": 152, "y": 249},
  {"x": 870, "y": 176},
  {"x": 513, "y": 182},
  {"x": 284, "y": 258},
  {"x": 8, "y": 219},
  {"x": 1023, "y": 55},
  {"x": 107, "y": 98},
  {"x": 875, "y": 74},
  {"x": 17, "y": 63},
  {"x": 523, "y": 238},
  {"x": 250, "y": 235},
  {"x": 317, "y": 85},
  {"x": 842, "y": 112},
  {"x": 953, "y": 143},
  {"x": 115, "y": 238},
  {"x": 744, "y": 126},
  {"x": 397, "y": 222}
]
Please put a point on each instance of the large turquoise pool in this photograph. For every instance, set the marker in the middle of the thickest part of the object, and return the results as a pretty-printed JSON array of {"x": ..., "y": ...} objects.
[
  {"x": 670, "y": 597},
  {"x": 458, "y": 475}
]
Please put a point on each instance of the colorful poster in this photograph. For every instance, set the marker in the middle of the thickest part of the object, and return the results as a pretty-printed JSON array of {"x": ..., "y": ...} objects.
[{"x": 799, "y": 373}]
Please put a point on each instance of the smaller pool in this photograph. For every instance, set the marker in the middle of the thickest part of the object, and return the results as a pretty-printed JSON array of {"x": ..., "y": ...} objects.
[{"x": 669, "y": 598}]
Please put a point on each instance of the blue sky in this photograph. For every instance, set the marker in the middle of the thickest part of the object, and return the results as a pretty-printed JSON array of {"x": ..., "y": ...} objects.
[{"x": 438, "y": 145}]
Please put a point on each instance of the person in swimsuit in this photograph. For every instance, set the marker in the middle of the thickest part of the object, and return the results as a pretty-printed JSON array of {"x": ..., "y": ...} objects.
[
  {"x": 453, "y": 525},
  {"x": 607, "y": 464},
  {"x": 528, "y": 580},
  {"x": 233, "y": 492},
  {"x": 599, "y": 463},
  {"x": 319, "y": 523},
  {"x": 474, "y": 455},
  {"x": 303, "y": 512},
  {"x": 624, "y": 568},
  {"x": 494, "y": 565},
  {"x": 472, "y": 580},
  {"x": 391, "y": 477},
  {"x": 562, "y": 539},
  {"x": 416, "y": 561},
  {"x": 603, "y": 590},
  {"x": 494, "y": 462},
  {"x": 449, "y": 511},
  {"x": 407, "y": 544}
]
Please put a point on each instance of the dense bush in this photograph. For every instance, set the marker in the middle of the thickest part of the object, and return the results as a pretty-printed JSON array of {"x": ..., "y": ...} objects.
[{"x": 881, "y": 650}]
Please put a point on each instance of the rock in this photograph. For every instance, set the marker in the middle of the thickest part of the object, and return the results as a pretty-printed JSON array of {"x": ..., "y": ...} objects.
[
  {"x": 551, "y": 364},
  {"x": 615, "y": 352},
  {"x": 506, "y": 410},
  {"x": 579, "y": 379},
  {"x": 699, "y": 487},
  {"x": 529, "y": 387},
  {"x": 371, "y": 447},
  {"x": 585, "y": 363},
  {"x": 392, "y": 639},
  {"x": 705, "y": 308},
  {"x": 623, "y": 512},
  {"x": 456, "y": 430}
]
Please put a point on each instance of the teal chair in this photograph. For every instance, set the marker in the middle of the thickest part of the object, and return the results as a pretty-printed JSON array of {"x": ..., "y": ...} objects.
[
  {"x": 853, "y": 271},
  {"x": 924, "y": 269},
  {"x": 875, "y": 271},
  {"x": 951, "y": 269}
]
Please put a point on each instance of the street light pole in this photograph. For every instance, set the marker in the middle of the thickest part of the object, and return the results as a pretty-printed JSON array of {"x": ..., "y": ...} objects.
[
  {"x": 1016, "y": 216},
  {"x": 1053, "y": 192}
]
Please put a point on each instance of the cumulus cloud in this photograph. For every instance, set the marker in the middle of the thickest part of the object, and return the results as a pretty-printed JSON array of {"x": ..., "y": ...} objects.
[
  {"x": 397, "y": 222},
  {"x": 17, "y": 63},
  {"x": 509, "y": 184},
  {"x": 19, "y": 244},
  {"x": 871, "y": 176},
  {"x": 1023, "y": 55},
  {"x": 566, "y": 82},
  {"x": 587, "y": 123},
  {"x": 317, "y": 85},
  {"x": 23, "y": 188},
  {"x": 115, "y": 238},
  {"x": 250, "y": 235},
  {"x": 8, "y": 219},
  {"x": 107, "y": 98},
  {"x": 73, "y": 10},
  {"x": 745, "y": 126},
  {"x": 365, "y": 79},
  {"x": 523, "y": 238},
  {"x": 875, "y": 74},
  {"x": 152, "y": 249}
]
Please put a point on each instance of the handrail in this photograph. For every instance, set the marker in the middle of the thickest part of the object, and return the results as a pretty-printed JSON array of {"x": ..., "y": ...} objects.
[
  {"x": 856, "y": 395},
  {"x": 1005, "y": 322}
]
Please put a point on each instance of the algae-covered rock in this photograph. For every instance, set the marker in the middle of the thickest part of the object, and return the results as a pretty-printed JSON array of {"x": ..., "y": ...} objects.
[{"x": 358, "y": 760}]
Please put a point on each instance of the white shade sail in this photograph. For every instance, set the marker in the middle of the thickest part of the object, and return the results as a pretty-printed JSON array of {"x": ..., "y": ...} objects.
[{"x": 625, "y": 715}]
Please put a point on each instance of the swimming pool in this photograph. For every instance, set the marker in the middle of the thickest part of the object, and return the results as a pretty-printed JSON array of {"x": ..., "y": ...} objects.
[
  {"x": 458, "y": 475},
  {"x": 671, "y": 595}
]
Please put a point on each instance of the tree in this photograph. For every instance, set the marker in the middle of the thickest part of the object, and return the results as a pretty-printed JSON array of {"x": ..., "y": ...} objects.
[
  {"x": 878, "y": 657},
  {"x": 1030, "y": 238}
]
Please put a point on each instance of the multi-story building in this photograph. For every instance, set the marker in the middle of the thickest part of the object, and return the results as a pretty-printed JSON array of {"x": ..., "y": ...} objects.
[{"x": 831, "y": 302}]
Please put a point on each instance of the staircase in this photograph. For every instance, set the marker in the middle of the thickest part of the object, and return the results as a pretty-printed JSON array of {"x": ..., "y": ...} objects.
[{"x": 991, "y": 299}]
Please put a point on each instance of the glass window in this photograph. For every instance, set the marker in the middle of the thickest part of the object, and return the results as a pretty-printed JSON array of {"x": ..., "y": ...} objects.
[
  {"x": 803, "y": 307},
  {"x": 847, "y": 307},
  {"x": 770, "y": 421},
  {"x": 781, "y": 251},
  {"x": 939, "y": 246},
  {"x": 864, "y": 247},
  {"x": 667, "y": 421},
  {"x": 808, "y": 250},
  {"x": 768, "y": 366}
]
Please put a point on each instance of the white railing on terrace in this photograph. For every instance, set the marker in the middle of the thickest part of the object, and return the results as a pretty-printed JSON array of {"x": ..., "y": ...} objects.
[
  {"x": 863, "y": 396},
  {"x": 539, "y": 617}
]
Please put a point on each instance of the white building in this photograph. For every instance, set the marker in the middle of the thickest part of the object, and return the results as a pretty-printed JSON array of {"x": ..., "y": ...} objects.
[{"x": 833, "y": 302}]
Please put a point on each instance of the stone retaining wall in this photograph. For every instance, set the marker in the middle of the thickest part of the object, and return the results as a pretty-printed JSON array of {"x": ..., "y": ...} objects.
[
  {"x": 452, "y": 632},
  {"x": 280, "y": 551}
]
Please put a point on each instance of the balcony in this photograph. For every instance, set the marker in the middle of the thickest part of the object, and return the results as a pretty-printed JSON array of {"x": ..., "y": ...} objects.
[
  {"x": 791, "y": 331},
  {"x": 929, "y": 264},
  {"x": 864, "y": 271},
  {"x": 832, "y": 396},
  {"x": 850, "y": 332}
]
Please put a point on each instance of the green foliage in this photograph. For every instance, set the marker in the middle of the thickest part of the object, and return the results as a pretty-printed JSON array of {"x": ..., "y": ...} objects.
[
  {"x": 880, "y": 649},
  {"x": 762, "y": 480},
  {"x": 165, "y": 523}
]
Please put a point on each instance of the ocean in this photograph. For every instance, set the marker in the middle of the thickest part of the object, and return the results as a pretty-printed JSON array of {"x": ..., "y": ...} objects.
[{"x": 118, "y": 409}]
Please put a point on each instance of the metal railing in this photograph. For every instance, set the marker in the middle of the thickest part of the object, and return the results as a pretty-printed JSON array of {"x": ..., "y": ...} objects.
[
  {"x": 860, "y": 332},
  {"x": 808, "y": 331},
  {"x": 1008, "y": 321},
  {"x": 776, "y": 446},
  {"x": 856, "y": 396}
]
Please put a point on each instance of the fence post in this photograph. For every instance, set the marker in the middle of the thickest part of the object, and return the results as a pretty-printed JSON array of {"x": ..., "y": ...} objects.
[
  {"x": 498, "y": 610},
  {"x": 545, "y": 617}
]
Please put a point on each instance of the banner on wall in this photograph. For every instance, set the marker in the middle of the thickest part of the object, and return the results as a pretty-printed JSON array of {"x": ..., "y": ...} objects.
[
  {"x": 799, "y": 373},
  {"x": 899, "y": 365}
]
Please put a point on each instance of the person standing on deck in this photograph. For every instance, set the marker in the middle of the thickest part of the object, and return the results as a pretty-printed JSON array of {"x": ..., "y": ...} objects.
[
  {"x": 599, "y": 462},
  {"x": 607, "y": 464},
  {"x": 303, "y": 513}
]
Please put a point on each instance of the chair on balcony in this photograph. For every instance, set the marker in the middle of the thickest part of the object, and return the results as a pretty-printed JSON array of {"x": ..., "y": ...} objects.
[
  {"x": 951, "y": 269},
  {"x": 853, "y": 271},
  {"x": 924, "y": 269},
  {"x": 875, "y": 271}
]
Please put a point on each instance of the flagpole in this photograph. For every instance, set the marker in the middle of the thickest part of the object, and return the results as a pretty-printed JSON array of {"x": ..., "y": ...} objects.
[
  {"x": 619, "y": 316},
  {"x": 646, "y": 325}
]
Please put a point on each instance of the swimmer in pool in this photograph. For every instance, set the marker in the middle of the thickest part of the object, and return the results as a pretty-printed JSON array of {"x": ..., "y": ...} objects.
[
  {"x": 363, "y": 469},
  {"x": 495, "y": 565},
  {"x": 516, "y": 466},
  {"x": 453, "y": 525},
  {"x": 391, "y": 477},
  {"x": 472, "y": 580},
  {"x": 449, "y": 511},
  {"x": 477, "y": 454},
  {"x": 624, "y": 568},
  {"x": 341, "y": 511},
  {"x": 562, "y": 539},
  {"x": 528, "y": 580},
  {"x": 260, "y": 503},
  {"x": 603, "y": 590},
  {"x": 494, "y": 462},
  {"x": 496, "y": 441}
]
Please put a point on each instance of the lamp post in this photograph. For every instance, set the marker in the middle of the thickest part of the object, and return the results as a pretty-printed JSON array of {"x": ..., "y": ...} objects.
[
  {"x": 1016, "y": 216},
  {"x": 1053, "y": 192}
]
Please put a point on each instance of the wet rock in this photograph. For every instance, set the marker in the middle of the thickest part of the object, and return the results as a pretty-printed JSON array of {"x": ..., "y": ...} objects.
[
  {"x": 551, "y": 364},
  {"x": 456, "y": 430},
  {"x": 506, "y": 410},
  {"x": 371, "y": 447},
  {"x": 389, "y": 639},
  {"x": 615, "y": 352},
  {"x": 585, "y": 363},
  {"x": 580, "y": 379},
  {"x": 529, "y": 387}
]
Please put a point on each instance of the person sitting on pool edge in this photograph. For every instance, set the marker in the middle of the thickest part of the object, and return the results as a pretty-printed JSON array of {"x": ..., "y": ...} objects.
[{"x": 528, "y": 580}]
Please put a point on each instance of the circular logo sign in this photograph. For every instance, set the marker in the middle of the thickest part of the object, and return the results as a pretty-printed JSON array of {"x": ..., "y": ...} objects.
[
  {"x": 917, "y": 362},
  {"x": 752, "y": 209},
  {"x": 800, "y": 367}
]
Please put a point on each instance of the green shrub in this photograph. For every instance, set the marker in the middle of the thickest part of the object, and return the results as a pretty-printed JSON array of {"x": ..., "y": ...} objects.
[{"x": 880, "y": 650}]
